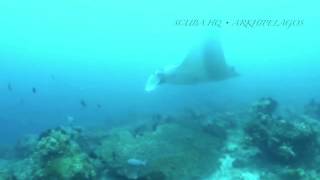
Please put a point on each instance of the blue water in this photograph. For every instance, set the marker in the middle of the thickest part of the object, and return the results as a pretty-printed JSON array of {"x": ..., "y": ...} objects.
[{"x": 102, "y": 52}]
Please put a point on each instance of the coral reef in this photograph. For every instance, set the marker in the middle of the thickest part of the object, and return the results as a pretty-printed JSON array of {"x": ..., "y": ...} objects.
[
  {"x": 264, "y": 107},
  {"x": 283, "y": 141},
  {"x": 61, "y": 156},
  {"x": 258, "y": 144},
  {"x": 312, "y": 109},
  {"x": 55, "y": 155},
  {"x": 171, "y": 151}
]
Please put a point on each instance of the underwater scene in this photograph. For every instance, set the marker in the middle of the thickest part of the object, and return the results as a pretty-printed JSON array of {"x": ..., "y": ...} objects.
[{"x": 159, "y": 90}]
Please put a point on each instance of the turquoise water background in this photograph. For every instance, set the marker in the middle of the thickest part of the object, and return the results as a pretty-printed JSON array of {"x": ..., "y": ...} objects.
[{"x": 104, "y": 51}]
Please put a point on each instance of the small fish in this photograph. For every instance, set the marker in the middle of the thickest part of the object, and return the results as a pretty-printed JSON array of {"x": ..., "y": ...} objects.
[
  {"x": 99, "y": 106},
  {"x": 9, "y": 87},
  {"x": 136, "y": 162},
  {"x": 34, "y": 90},
  {"x": 83, "y": 103}
]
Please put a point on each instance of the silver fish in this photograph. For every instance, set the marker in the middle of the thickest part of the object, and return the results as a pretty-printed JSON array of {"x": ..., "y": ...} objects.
[{"x": 136, "y": 162}]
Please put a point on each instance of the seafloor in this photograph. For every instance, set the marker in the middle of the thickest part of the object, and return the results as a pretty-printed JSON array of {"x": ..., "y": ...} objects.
[{"x": 262, "y": 141}]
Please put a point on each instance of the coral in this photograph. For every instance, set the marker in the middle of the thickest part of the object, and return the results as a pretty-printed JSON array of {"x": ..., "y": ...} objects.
[
  {"x": 56, "y": 155},
  {"x": 4, "y": 172},
  {"x": 297, "y": 174},
  {"x": 264, "y": 107},
  {"x": 26, "y": 169},
  {"x": 55, "y": 143},
  {"x": 286, "y": 142},
  {"x": 218, "y": 126},
  {"x": 73, "y": 166},
  {"x": 172, "y": 151},
  {"x": 61, "y": 156},
  {"x": 259, "y": 144},
  {"x": 313, "y": 109}
]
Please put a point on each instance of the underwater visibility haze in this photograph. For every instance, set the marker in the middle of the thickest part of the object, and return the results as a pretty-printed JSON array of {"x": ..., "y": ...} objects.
[{"x": 159, "y": 90}]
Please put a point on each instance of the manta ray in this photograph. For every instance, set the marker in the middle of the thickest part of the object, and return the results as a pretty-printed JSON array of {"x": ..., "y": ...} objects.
[{"x": 204, "y": 64}]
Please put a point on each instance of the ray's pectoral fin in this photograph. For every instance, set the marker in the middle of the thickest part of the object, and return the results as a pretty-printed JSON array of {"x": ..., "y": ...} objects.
[
  {"x": 215, "y": 63},
  {"x": 204, "y": 64},
  {"x": 214, "y": 60},
  {"x": 154, "y": 81}
]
